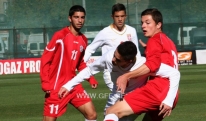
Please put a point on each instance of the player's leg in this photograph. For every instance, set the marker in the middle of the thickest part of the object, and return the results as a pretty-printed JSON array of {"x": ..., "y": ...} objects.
[
  {"x": 118, "y": 110},
  {"x": 107, "y": 79},
  {"x": 147, "y": 117},
  {"x": 83, "y": 103},
  {"x": 144, "y": 99},
  {"x": 88, "y": 111},
  {"x": 47, "y": 118},
  {"x": 54, "y": 106},
  {"x": 129, "y": 118},
  {"x": 113, "y": 98},
  {"x": 153, "y": 115}
]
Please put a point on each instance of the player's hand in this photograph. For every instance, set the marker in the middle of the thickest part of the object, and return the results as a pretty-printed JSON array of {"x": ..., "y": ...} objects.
[
  {"x": 122, "y": 83},
  {"x": 165, "y": 110},
  {"x": 94, "y": 86},
  {"x": 142, "y": 43},
  {"x": 93, "y": 82},
  {"x": 62, "y": 92}
]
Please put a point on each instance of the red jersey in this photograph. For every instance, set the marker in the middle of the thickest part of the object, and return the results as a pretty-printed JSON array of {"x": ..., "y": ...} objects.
[
  {"x": 148, "y": 98},
  {"x": 62, "y": 56},
  {"x": 160, "y": 49}
]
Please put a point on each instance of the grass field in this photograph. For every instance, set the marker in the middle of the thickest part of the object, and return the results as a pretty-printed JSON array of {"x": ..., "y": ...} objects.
[{"x": 21, "y": 97}]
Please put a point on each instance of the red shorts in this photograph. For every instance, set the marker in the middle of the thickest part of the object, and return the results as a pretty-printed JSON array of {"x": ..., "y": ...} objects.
[
  {"x": 55, "y": 107},
  {"x": 149, "y": 97}
]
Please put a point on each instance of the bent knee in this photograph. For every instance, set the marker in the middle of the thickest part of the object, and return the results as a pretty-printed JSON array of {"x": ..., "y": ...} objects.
[
  {"x": 91, "y": 115},
  {"x": 109, "y": 111},
  {"x": 113, "y": 111},
  {"x": 118, "y": 112}
]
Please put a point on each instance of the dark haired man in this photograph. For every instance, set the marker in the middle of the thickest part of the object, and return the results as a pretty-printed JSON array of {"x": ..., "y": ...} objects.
[{"x": 62, "y": 56}]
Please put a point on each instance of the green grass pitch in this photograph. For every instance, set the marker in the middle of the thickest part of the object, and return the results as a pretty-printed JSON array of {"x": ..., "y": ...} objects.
[{"x": 21, "y": 97}]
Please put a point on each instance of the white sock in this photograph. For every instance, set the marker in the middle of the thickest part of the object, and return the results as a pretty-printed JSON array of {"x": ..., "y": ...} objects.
[
  {"x": 111, "y": 117},
  {"x": 89, "y": 120}
]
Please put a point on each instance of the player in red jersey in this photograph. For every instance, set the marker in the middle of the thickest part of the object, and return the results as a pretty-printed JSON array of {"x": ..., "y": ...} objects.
[
  {"x": 62, "y": 56},
  {"x": 151, "y": 97}
]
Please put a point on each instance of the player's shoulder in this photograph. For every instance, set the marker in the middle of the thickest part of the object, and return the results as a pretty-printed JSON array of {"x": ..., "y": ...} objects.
[
  {"x": 163, "y": 37},
  {"x": 61, "y": 33},
  {"x": 156, "y": 38},
  {"x": 160, "y": 35},
  {"x": 129, "y": 27},
  {"x": 110, "y": 53},
  {"x": 83, "y": 36},
  {"x": 106, "y": 29},
  {"x": 139, "y": 62},
  {"x": 112, "y": 50}
]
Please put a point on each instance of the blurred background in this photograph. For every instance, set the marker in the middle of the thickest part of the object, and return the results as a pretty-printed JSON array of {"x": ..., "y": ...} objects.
[{"x": 26, "y": 26}]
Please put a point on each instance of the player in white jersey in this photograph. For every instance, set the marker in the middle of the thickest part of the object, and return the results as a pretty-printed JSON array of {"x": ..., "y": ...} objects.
[
  {"x": 118, "y": 62},
  {"x": 111, "y": 36}
]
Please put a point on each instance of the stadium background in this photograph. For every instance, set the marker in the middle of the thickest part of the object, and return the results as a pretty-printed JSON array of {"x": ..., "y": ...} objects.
[{"x": 26, "y": 26}]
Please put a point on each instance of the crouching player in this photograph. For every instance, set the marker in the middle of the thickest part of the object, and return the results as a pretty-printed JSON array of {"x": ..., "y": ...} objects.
[{"x": 118, "y": 61}]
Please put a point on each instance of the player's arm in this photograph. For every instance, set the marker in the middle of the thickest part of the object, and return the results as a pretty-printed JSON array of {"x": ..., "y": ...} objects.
[
  {"x": 144, "y": 45},
  {"x": 91, "y": 48},
  {"x": 46, "y": 60},
  {"x": 91, "y": 79},
  {"x": 174, "y": 78},
  {"x": 80, "y": 77},
  {"x": 92, "y": 69}
]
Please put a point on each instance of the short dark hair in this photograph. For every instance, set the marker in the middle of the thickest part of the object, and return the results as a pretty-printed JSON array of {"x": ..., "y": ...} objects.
[
  {"x": 118, "y": 7},
  {"x": 155, "y": 13},
  {"x": 76, "y": 8},
  {"x": 127, "y": 50}
]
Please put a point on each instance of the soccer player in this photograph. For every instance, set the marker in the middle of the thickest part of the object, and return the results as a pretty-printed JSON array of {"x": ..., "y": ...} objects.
[
  {"x": 159, "y": 95},
  {"x": 111, "y": 36},
  {"x": 118, "y": 62},
  {"x": 62, "y": 56}
]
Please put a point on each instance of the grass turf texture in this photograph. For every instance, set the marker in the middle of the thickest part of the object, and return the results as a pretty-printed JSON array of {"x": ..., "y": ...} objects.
[{"x": 21, "y": 97}]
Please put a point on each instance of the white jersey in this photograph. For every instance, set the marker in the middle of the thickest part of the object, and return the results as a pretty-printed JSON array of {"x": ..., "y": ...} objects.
[
  {"x": 110, "y": 38},
  {"x": 105, "y": 62}
]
